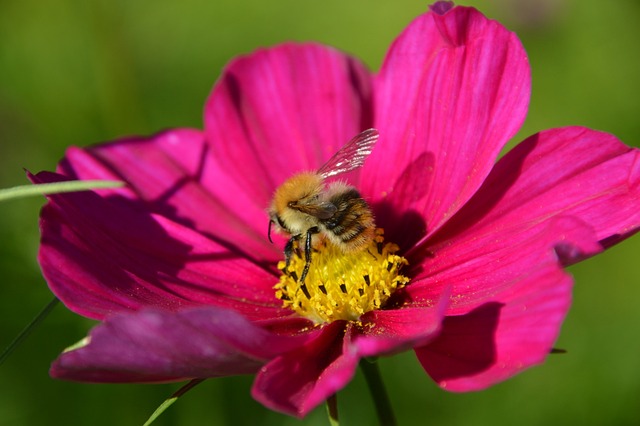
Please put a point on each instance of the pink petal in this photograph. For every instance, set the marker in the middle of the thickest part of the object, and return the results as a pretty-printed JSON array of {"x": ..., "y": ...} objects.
[
  {"x": 554, "y": 198},
  {"x": 482, "y": 267},
  {"x": 499, "y": 339},
  {"x": 175, "y": 175},
  {"x": 104, "y": 254},
  {"x": 452, "y": 91},
  {"x": 571, "y": 171},
  {"x": 548, "y": 203},
  {"x": 509, "y": 298},
  {"x": 385, "y": 332},
  {"x": 157, "y": 346},
  {"x": 284, "y": 110},
  {"x": 298, "y": 381}
]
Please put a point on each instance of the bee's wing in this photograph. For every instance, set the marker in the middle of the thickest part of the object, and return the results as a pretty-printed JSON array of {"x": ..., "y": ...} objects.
[
  {"x": 321, "y": 210},
  {"x": 351, "y": 155}
]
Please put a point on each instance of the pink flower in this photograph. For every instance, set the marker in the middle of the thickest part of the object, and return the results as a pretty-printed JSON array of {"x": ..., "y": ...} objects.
[{"x": 178, "y": 267}]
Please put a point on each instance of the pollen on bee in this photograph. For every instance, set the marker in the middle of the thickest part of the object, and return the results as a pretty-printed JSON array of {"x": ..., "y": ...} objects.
[{"x": 339, "y": 285}]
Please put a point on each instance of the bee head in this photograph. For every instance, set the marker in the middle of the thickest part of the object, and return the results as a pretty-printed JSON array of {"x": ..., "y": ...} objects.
[
  {"x": 289, "y": 201},
  {"x": 301, "y": 189}
]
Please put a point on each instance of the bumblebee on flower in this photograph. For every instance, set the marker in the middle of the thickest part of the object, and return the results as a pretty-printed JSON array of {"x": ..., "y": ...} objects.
[{"x": 453, "y": 89}]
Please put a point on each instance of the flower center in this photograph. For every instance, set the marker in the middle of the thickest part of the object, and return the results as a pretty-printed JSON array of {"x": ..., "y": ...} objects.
[{"x": 339, "y": 285}]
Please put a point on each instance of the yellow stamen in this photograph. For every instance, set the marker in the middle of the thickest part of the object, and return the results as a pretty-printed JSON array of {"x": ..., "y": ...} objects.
[{"x": 341, "y": 286}]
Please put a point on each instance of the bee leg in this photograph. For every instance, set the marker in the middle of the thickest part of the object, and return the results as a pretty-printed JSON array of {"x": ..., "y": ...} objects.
[
  {"x": 288, "y": 250},
  {"x": 307, "y": 252}
]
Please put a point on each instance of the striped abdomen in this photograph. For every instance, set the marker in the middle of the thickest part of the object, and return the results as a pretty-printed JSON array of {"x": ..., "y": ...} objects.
[{"x": 352, "y": 226}]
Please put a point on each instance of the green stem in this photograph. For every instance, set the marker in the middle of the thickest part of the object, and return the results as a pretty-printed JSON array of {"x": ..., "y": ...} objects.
[
  {"x": 173, "y": 398},
  {"x": 28, "y": 329},
  {"x": 56, "y": 188},
  {"x": 332, "y": 410},
  {"x": 378, "y": 393}
]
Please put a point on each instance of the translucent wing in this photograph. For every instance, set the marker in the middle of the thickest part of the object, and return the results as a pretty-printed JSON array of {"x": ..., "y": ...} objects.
[
  {"x": 321, "y": 210},
  {"x": 351, "y": 155}
]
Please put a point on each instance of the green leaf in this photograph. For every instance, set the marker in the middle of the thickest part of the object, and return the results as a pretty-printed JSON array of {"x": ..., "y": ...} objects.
[{"x": 56, "y": 188}]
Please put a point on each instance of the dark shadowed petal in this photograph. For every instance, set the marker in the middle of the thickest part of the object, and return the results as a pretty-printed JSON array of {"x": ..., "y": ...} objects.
[
  {"x": 441, "y": 7},
  {"x": 385, "y": 332},
  {"x": 284, "y": 110},
  {"x": 174, "y": 174},
  {"x": 155, "y": 346},
  {"x": 452, "y": 91},
  {"x": 105, "y": 253},
  {"x": 498, "y": 339},
  {"x": 296, "y": 382}
]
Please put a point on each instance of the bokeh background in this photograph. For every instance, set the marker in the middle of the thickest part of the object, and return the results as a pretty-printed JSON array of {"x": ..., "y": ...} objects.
[{"x": 77, "y": 72}]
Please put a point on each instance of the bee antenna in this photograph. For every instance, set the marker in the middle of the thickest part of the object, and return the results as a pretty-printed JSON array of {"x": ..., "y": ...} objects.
[{"x": 269, "y": 231}]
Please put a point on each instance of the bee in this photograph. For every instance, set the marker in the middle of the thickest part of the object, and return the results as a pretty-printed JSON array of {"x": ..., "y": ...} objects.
[{"x": 308, "y": 209}]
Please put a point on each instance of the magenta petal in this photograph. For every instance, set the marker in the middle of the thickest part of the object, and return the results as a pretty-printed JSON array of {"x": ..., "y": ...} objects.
[
  {"x": 483, "y": 267},
  {"x": 174, "y": 174},
  {"x": 385, "y": 332},
  {"x": 500, "y": 338},
  {"x": 452, "y": 91},
  {"x": 441, "y": 7},
  {"x": 573, "y": 171},
  {"x": 103, "y": 254},
  {"x": 298, "y": 381},
  {"x": 153, "y": 346},
  {"x": 284, "y": 110},
  {"x": 557, "y": 198},
  {"x": 509, "y": 298}
]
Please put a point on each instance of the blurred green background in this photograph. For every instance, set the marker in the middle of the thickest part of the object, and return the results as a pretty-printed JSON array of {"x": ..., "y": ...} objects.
[{"x": 77, "y": 72}]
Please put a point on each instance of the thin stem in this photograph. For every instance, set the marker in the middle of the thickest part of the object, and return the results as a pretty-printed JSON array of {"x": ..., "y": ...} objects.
[
  {"x": 378, "y": 393},
  {"x": 28, "y": 329},
  {"x": 173, "y": 398},
  {"x": 332, "y": 410}
]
